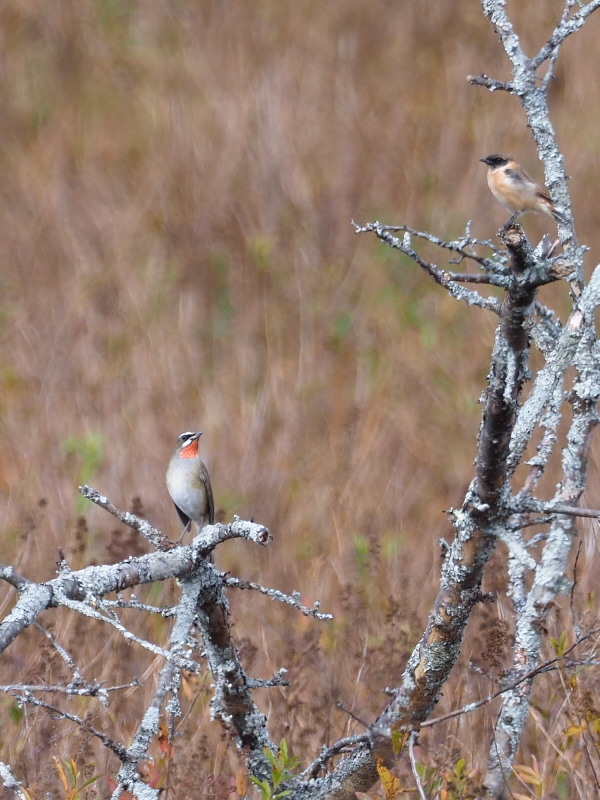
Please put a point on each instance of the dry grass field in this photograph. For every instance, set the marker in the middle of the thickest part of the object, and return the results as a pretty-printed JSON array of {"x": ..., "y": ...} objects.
[{"x": 178, "y": 181}]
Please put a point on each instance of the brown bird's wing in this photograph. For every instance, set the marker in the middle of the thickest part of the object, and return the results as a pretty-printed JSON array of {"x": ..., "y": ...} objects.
[
  {"x": 544, "y": 196},
  {"x": 517, "y": 175},
  {"x": 526, "y": 176}
]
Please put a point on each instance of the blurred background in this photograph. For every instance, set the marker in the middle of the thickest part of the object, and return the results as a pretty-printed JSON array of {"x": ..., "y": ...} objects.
[{"x": 178, "y": 181}]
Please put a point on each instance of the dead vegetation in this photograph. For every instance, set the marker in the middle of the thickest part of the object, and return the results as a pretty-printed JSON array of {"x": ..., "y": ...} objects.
[{"x": 178, "y": 181}]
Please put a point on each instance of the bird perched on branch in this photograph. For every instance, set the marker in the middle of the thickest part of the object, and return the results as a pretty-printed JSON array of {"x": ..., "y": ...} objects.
[
  {"x": 515, "y": 190},
  {"x": 188, "y": 483}
]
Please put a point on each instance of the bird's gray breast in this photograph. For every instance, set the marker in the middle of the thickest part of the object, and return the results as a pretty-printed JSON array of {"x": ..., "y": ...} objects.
[{"x": 187, "y": 489}]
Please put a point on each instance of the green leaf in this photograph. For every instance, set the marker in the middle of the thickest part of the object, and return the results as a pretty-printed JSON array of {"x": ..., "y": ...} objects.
[{"x": 458, "y": 769}]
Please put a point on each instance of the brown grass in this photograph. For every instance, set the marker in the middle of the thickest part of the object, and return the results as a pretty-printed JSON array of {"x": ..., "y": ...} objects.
[{"x": 178, "y": 181}]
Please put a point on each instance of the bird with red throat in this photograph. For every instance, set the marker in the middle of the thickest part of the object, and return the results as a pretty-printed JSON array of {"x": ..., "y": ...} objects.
[{"x": 188, "y": 483}]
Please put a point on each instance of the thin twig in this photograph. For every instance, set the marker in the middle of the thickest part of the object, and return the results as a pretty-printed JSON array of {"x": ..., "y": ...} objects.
[
  {"x": 275, "y": 594},
  {"x": 58, "y": 713},
  {"x": 540, "y": 668},
  {"x": 153, "y": 535},
  {"x": 539, "y": 507},
  {"x": 327, "y": 753},
  {"x": 412, "y": 740}
]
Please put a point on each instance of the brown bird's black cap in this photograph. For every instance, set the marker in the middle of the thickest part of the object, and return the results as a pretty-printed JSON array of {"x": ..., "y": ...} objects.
[{"x": 496, "y": 160}]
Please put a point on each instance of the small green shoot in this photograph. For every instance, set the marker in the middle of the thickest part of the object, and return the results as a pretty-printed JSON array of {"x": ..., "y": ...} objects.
[{"x": 282, "y": 766}]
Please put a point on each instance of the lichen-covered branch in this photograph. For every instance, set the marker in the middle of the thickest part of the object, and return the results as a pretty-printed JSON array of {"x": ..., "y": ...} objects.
[
  {"x": 98, "y": 581},
  {"x": 549, "y": 580},
  {"x": 232, "y": 701},
  {"x": 485, "y": 510},
  {"x": 576, "y": 345},
  {"x": 442, "y": 277},
  {"x": 168, "y": 682},
  {"x": 203, "y": 603},
  {"x": 533, "y": 95},
  {"x": 490, "y": 509},
  {"x": 507, "y": 374},
  {"x": 569, "y": 24}
]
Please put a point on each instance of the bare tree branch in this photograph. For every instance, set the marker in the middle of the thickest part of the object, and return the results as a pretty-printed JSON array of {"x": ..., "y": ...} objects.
[
  {"x": 168, "y": 682},
  {"x": 493, "y": 510},
  {"x": 532, "y": 606},
  {"x": 567, "y": 26},
  {"x": 440, "y": 276},
  {"x": 10, "y": 782}
]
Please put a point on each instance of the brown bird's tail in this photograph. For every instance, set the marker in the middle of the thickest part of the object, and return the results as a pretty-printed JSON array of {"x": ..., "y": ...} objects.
[
  {"x": 548, "y": 207},
  {"x": 558, "y": 216}
]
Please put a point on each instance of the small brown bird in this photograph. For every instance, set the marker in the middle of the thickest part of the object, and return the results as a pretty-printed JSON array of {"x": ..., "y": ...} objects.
[
  {"x": 515, "y": 190},
  {"x": 188, "y": 483}
]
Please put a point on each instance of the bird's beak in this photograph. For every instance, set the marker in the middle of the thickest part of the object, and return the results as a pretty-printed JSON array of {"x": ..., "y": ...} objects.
[{"x": 484, "y": 160}]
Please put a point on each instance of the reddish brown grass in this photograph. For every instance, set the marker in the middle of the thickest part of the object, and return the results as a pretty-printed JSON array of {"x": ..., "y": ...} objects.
[{"x": 178, "y": 181}]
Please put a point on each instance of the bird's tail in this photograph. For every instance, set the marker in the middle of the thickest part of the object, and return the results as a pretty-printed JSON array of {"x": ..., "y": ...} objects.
[
  {"x": 546, "y": 205},
  {"x": 558, "y": 216}
]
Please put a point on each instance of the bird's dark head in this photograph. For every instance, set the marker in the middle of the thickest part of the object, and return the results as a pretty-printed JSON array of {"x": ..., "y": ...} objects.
[
  {"x": 187, "y": 438},
  {"x": 496, "y": 160}
]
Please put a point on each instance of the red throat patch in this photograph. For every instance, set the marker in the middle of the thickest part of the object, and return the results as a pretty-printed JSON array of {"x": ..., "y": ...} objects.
[{"x": 191, "y": 451}]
